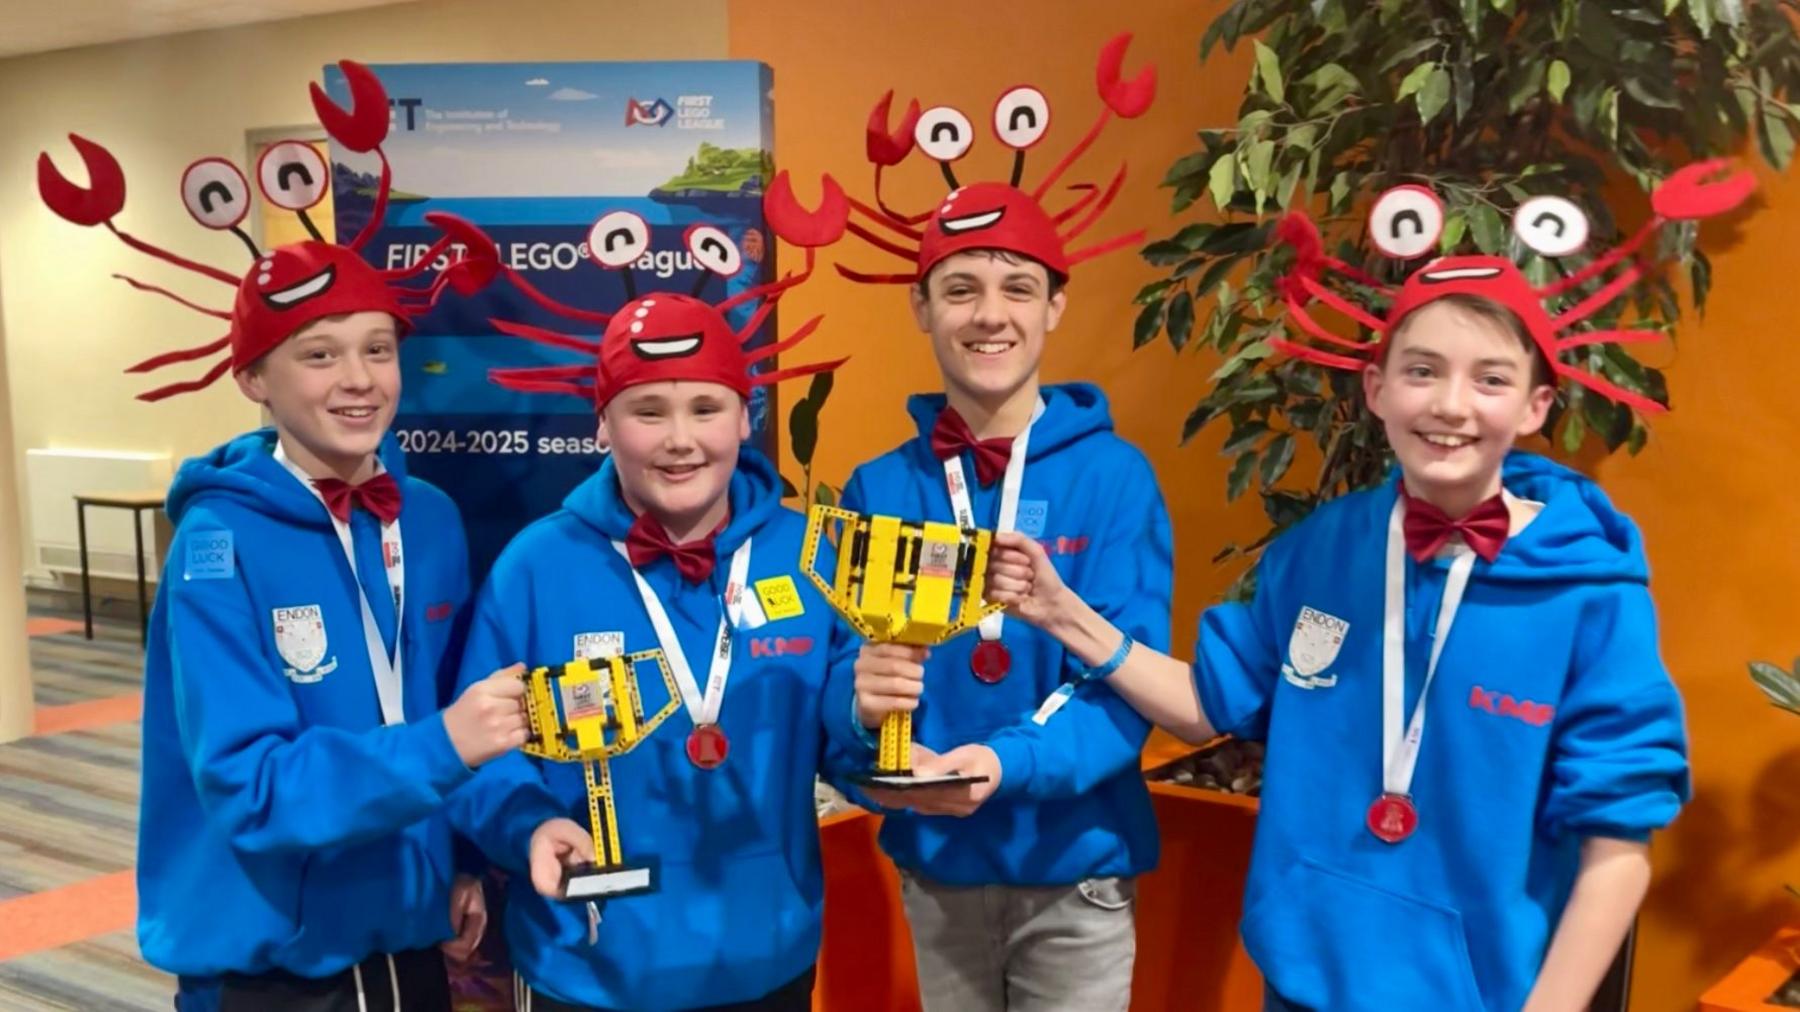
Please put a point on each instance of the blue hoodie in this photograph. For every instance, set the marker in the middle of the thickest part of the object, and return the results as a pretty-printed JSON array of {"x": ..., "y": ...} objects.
[
  {"x": 1071, "y": 803},
  {"x": 282, "y": 827},
  {"x": 738, "y": 892},
  {"x": 1551, "y": 720}
]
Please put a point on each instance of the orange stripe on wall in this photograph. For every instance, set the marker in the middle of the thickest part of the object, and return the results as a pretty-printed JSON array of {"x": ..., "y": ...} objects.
[
  {"x": 73, "y": 913},
  {"x": 90, "y": 714}
]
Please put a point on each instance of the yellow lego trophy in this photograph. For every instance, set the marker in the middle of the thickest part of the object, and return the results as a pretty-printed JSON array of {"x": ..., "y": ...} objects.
[
  {"x": 900, "y": 581},
  {"x": 590, "y": 711}
]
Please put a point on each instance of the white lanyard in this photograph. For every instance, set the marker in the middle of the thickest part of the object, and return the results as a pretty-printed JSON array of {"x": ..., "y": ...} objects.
[
  {"x": 1010, "y": 486},
  {"x": 387, "y": 669},
  {"x": 703, "y": 709},
  {"x": 1399, "y": 755}
]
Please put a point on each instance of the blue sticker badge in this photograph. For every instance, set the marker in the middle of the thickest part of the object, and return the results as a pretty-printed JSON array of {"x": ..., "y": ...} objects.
[
  {"x": 209, "y": 556},
  {"x": 1034, "y": 517}
]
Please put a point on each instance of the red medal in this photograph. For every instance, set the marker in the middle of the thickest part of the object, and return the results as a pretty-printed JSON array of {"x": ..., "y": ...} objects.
[
  {"x": 707, "y": 746},
  {"x": 1393, "y": 818},
  {"x": 991, "y": 661}
]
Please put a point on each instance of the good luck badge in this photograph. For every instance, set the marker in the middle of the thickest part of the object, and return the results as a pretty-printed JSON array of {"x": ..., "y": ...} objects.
[
  {"x": 1314, "y": 645},
  {"x": 300, "y": 640}
]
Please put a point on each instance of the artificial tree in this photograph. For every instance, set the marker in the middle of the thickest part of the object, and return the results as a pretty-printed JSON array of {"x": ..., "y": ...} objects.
[{"x": 1487, "y": 102}]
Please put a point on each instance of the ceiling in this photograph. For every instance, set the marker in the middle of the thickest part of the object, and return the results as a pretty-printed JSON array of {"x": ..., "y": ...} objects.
[{"x": 36, "y": 26}]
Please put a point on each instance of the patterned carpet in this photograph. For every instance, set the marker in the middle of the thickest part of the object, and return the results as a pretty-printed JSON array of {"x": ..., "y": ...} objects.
[{"x": 68, "y": 830}]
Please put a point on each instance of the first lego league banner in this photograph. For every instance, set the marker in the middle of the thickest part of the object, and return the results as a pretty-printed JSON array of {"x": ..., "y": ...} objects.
[{"x": 534, "y": 153}]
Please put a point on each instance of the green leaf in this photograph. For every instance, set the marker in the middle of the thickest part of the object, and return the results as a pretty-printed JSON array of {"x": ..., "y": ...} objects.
[
  {"x": 1268, "y": 67},
  {"x": 1703, "y": 16},
  {"x": 1164, "y": 252},
  {"x": 1557, "y": 80},
  {"x": 1781, "y": 687},
  {"x": 1193, "y": 164},
  {"x": 1194, "y": 236},
  {"x": 803, "y": 430},
  {"x": 1243, "y": 437},
  {"x": 1252, "y": 352},
  {"x": 1777, "y": 139},
  {"x": 1214, "y": 274},
  {"x": 1239, "y": 479},
  {"x": 1340, "y": 191},
  {"x": 1256, "y": 167},
  {"x": 1152, "y": 292},
  {"x": 819, "y": 390},
  {"x": 1608, "y": 120},
  {"x": 825, "y": 495},
  {"x": 1410, "y": 50},
  {"x": 1434, "y": 94},
  {"x": 1149, "y": 321},
  {"x": 1489, "y": 230},
  {"x": 1574, "y": 431},
  {"x": 1700, "y": 279},
  {"x": 1526, "y": 85},
  {"x": 1415, "y": 79},
  {"x": 1181, "y": 319},
  {"x": 1276, "y": 458},
  {"x": 1455, "y": 224},
  {"x": 1222, "y": 181}
]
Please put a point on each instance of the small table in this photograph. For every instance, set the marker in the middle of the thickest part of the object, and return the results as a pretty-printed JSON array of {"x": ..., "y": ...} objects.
[{"x": 137, "y": 503}]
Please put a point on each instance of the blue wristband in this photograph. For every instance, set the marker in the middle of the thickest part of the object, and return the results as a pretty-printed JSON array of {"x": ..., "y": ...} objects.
[{"x": 1111, "y": 664}]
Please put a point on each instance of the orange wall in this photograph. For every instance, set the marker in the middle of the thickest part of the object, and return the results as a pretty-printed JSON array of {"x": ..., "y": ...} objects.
[{"x": 1714, "y": 491}]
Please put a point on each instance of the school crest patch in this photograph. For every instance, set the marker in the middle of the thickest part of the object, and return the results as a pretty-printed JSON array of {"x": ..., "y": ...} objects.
[
  {"x": 1312, "y": 648},
  {"x": 300, "y": 640}
]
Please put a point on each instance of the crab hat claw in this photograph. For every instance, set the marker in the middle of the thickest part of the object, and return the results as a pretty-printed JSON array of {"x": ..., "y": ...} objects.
[
  {"x": 799, "y": 226},
  {"x": 480, "y": 260},
  {"x": 94, "y": 204},
  {"x": 365, "y": 124},
  {"x": 891, "y": 148},
  {"x": 1702, "y": 190},
  {"x": 1130, "y": 98}
]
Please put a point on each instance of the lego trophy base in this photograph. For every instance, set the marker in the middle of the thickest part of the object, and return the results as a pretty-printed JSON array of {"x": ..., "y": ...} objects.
[
  {"x": 907, "y": 781},
  {"x": 590, "y": 881}
]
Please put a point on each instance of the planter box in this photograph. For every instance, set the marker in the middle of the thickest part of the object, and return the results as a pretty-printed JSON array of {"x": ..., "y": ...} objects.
[
  {"x": 1748, "y": 986},
  {"x": 1188, "y": 956}
]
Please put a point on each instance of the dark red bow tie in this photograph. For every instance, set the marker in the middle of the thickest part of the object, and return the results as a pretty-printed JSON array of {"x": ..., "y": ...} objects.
[
  {"x": 648, "y": 541},
  {"x": 951, "y": 436},
  {"x": 1428, "y": 528},
  {"x": 379, "y": 495}
]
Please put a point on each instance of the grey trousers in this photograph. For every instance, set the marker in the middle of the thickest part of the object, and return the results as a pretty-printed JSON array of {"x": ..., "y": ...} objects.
[{"x": 1023, "y": 949}]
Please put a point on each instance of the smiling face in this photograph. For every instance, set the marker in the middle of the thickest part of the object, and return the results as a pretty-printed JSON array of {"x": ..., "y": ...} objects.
[
  {"x": 1457, "y": 387},
  {"x": 675, "y": 445},
  {"x": 987, "y": 313},
  {"x": 332, "y": 389}
]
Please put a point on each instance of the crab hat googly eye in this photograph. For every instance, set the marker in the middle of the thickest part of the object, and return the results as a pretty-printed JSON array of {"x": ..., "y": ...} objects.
[
  {"x": 293, "y": 175},
  {"x": 713, "y": 249},
  {"x": 617, "y": 239},
  {"x": 215, "y": 193},
  {"x": 1406, "y": 221},
  {"x": 944, "y": 134},
  {"x": 1551, "y": 226},
  {"x": 1021, "y": 117}
]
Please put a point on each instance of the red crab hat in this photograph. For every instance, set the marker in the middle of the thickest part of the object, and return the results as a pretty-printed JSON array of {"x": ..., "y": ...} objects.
[
  {"x": 995, "y": 215},
  {"x": 670, "y": 335},
  {"x": 289, "y": 286},
  {"x": 1405, "y": 223}
]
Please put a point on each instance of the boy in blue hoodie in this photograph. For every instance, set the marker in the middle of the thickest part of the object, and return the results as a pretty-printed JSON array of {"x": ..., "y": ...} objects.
[
  {"x": 678, "y": 542},
  {"x": 1024, "y": 898},
  {"x": 292, "y": 853},
  {"x": 1494, "y": 857}
]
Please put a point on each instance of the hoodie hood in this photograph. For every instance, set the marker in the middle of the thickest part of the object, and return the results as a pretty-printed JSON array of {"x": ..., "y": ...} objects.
[
  {"x": 1578, "y": 536},
  {"x": 755, "y": 493},
  {"x": 1072, "y": 411},
  {"x": 244, "y": 470}
]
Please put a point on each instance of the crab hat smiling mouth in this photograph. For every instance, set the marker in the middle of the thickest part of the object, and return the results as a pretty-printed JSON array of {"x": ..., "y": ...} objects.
[
  {"x": 668, "y": 347},
  {"x": 970, "y": 223},
  {"x": 312, "y": 287},
  {"x": 1460, "y": 274}
]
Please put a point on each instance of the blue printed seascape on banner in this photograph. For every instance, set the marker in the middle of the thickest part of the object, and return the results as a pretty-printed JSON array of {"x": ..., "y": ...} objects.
[{"x": 534, "y": 153}]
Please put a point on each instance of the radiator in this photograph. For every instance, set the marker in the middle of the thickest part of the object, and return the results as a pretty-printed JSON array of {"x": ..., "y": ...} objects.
[{"x": 52, "y": 477}]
